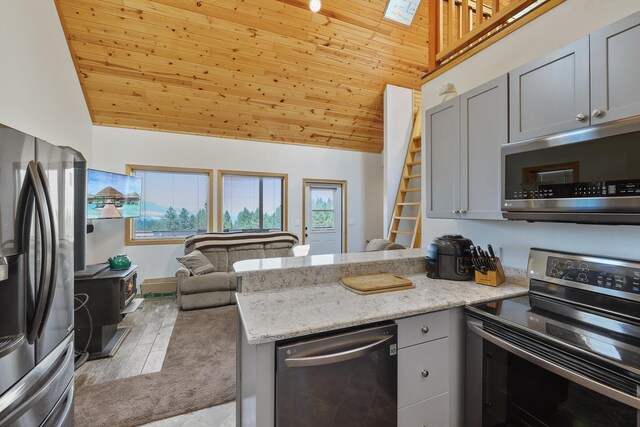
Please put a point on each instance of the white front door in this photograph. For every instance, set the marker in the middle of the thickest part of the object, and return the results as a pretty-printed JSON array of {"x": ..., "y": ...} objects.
[{"x": 323, "y": 218}]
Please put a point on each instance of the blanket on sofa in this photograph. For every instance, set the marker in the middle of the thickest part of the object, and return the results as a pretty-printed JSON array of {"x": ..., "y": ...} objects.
[{"x": 209, "y": 240}]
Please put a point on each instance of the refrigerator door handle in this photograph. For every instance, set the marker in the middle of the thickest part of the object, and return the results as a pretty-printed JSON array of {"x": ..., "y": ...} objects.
[
  {"x": 32, "y": 191},
  {"x": 51, "y": 241},
  {"x": 4, "y": 269},
  {"x": 43, "y": 379}
]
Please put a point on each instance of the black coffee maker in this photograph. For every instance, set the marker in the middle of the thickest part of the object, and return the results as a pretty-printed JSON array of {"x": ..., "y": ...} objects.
[{"x": 449, "y": 257}]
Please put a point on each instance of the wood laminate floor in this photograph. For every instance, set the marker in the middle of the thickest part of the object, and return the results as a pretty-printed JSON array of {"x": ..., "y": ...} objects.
[{"x": 142, "y": 351}]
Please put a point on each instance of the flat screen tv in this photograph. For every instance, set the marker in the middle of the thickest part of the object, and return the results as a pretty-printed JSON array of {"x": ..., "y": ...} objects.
[{"x": 112, "y": 195}]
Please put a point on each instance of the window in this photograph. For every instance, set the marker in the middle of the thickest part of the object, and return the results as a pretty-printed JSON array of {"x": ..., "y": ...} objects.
[
  {"x": 252, "y": 201},
  {"x": 175, "y": 203},
  {"x": 322, "y": 210}
]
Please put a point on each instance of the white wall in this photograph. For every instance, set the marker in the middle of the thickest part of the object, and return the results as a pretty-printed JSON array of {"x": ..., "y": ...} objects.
[
  {"x": 567, "y": 22},
  {"x": 398, "y": 124},
  {"x": 39, "y": 89},
  {"x": 114, "y": 147}
]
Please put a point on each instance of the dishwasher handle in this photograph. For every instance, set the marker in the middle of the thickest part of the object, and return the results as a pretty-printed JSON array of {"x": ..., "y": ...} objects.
[{"x": 327, "y": 359}]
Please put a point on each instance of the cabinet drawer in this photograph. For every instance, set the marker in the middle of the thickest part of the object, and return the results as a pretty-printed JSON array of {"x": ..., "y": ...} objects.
[
  {"x": 423, "y": 371},
  {"x": 432, "y": 412},
  {"x": 422, "y": 328}
]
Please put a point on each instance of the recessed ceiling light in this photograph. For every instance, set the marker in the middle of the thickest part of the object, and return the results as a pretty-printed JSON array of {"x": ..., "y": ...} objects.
[
  {"x": 315, "y": 5},
  {"x": 402, "y": 11}
]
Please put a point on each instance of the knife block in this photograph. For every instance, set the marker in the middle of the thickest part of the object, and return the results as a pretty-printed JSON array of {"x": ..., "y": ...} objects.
[{"x": 491, "y": 278}]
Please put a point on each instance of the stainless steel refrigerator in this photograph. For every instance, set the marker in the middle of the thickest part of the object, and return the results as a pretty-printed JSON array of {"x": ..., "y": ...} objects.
[{"x": 36, "y": 281}]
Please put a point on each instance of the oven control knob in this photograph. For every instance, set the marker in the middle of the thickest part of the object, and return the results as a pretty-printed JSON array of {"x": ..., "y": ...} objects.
[
  {"x": 568, "y": 264},
  {"x": 582, "y": 277},
  {"x": 583, "y": 266},
  {"x": 555, "y": 262},
  {"x": 425, "y": 329},
  {"x": 554, "y": 271},
  {"x": 425, "y": 373}
]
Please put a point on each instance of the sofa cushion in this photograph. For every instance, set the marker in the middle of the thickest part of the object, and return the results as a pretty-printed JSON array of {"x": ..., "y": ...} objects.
[
  {"x": 218, "y": 281},
  {"x": 218, "y": 257},
  {"x": 196, "y": 262},
  {"x": 241, "y": 253}
]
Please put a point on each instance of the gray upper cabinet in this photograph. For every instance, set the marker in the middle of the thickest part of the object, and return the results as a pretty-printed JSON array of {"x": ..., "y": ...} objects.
[
  {"x": 615, "y": 70},
  {"x": 462, "y": 146},
  {"x": 442, "y": 153},
  {"x": 551, "y": 93},
  {"x": 484, "y": 128}
]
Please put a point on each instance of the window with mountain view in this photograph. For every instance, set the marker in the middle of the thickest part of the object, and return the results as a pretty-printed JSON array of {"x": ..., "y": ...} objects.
[
  {"x": 252, "y": 201},
  {"x": 175, "y": 203}
]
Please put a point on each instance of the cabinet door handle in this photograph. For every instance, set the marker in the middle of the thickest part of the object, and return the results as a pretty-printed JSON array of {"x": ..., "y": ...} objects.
[
  {"x": 425, "y": 373},
  {"x": 581, "y": 117},
  {"x": 463, "y": 211},
  {"x": 425, "y": 329},
  {"x": 456, "y": 211},
  {"x": 596, "y": 113}
]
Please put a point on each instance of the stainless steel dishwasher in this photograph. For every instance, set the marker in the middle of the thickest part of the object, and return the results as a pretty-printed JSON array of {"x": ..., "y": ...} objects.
[{"x": 343, "y": 379}]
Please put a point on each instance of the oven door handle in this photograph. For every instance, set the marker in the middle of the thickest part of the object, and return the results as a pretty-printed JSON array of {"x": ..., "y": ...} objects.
[
  {"x": 326, "y": 359},
  {"x": 603, "y": 389}
]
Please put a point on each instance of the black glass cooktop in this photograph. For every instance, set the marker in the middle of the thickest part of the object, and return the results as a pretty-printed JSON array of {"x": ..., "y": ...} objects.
[{"x": 609, "y": 337}]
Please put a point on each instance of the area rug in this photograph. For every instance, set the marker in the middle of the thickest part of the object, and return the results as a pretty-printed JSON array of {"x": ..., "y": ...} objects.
[{"x": 199, "y": 371}]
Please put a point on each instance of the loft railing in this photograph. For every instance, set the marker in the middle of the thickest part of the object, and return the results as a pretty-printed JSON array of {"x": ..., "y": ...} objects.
[{"x": 456, "y": 26}]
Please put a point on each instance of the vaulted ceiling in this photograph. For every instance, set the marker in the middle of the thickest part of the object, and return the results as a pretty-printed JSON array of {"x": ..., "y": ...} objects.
[{"x": 264, "y": 70}]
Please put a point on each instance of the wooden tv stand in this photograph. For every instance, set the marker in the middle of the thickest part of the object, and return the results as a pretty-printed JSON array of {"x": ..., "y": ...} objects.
[{"x": 111, "y": 297}]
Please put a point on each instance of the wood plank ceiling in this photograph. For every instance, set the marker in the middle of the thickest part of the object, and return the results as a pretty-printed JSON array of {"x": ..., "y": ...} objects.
[{"x": 263, "y": 70}]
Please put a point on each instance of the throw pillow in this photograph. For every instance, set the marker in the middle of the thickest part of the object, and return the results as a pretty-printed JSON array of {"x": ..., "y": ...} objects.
[{"x": 197, "y": 263}]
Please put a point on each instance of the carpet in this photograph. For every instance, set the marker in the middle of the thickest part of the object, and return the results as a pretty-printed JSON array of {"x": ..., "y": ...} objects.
[{"x": 199, "y": 371}]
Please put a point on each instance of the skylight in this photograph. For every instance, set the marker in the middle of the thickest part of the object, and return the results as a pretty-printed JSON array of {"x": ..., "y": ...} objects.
[{"x": 402, "y": 11}]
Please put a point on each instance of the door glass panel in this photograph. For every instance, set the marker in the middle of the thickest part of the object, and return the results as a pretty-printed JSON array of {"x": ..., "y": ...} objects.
[{"x": 322, "y": 208}]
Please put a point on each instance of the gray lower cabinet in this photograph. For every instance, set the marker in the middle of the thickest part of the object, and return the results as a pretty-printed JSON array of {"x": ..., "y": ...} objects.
[
  {"x": 423, "y": 371},
  {"x": 550, "y": 94},
  {"x": 462, "y": 146},
  {"x": 427, "y": 413},
  {"x": 428, "y": 369},
  {"x": 615, "y": 70}
]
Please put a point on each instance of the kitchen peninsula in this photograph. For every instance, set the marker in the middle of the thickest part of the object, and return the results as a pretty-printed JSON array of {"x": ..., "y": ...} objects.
[{"x": 286, "y": 298}]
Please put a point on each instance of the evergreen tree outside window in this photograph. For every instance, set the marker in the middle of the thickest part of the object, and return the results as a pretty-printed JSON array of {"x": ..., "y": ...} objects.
[
  {"x": 175, "y": 203},
  {"x": 250, "y": 201}
]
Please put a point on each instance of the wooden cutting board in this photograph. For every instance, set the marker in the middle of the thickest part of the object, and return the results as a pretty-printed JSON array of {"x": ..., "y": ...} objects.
[{"x": 376, "y": 283}]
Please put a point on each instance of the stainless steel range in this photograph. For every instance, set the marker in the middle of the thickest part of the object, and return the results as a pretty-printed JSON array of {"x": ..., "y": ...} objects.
[{"x": 566, "y": 354}]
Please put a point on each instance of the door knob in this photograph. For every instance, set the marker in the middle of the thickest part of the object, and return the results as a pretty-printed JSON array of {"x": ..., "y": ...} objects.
[
  {"x": 425, "y": 329},
  {"x": 596, "y": 113},
  {"x": 425, "y": 373},
  {"x": 581, "y": 117}
]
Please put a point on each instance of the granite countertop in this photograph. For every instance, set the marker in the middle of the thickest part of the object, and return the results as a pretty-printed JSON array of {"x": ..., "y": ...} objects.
[
  {"x": 302, "y": 310},
  {"x": 246, "y": 267}
]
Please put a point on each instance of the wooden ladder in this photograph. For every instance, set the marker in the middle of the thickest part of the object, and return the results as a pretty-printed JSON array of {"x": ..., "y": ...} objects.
[{"x": 412, "y": 170}]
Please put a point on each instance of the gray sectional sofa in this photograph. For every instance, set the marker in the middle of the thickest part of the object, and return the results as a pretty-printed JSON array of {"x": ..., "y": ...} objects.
[{"x": 222, "y": 250}]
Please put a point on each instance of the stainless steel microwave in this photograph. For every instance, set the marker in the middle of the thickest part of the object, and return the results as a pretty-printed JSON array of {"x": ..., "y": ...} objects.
[{"x": 590, "y": 175}]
